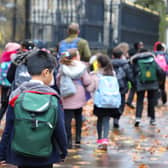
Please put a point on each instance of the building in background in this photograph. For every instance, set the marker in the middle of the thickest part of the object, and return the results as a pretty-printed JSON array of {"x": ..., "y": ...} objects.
[{"x": 103, "y": 23}]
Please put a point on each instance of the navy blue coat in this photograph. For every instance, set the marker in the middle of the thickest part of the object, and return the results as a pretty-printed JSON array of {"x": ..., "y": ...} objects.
[{"x": 59, "y": 144}]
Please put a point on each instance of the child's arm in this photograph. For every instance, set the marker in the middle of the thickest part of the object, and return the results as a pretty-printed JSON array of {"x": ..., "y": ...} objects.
[
  {"x": 6, "y": 137},
  {"x": 60, "y": 136}
]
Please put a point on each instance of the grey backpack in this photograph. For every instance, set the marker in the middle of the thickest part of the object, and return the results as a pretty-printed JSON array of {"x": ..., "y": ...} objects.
[
  {"x": 67, "y": 86},
  {"x": 21, "y": 75}
]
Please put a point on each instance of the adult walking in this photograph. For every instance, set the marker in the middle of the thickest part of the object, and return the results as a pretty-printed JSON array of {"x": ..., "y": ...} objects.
[{"x": 74, "y": 41}]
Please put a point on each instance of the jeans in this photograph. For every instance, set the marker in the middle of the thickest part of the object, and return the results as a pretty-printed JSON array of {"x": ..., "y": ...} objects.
[
  {"x": 162, "y": 91},
  {"x": 103, "y": 127},
  {"x": 151, "y": 103},
  {"x": 69, "y": 114},
  {"x": 131, "y": 95}
]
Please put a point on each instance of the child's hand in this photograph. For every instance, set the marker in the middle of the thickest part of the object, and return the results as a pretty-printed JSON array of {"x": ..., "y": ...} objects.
[{"x": 3, "y": 163}]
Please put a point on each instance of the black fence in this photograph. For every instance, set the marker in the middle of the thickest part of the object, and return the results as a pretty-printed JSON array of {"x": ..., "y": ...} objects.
[
  {"x": 138, "y": 25},
  {"x": 49, "y": 20}
]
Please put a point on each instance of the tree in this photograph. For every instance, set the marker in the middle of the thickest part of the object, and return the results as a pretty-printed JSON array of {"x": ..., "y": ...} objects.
[
  {"x": 160, "y": 7},
  {"x": 151, "y": 4}
]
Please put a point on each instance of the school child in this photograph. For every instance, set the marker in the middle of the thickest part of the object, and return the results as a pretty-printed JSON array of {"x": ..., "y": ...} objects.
[
  {"x": 5, "y": 63},
  {"x": 161, "y": 58},
  {"x": 124, "y": 75},
  {"x": 107, "y": 98},
  {"x": 73, "y": 82},
  {"x": 147, "y": 76},
  {"x": 34, "y": 135}
]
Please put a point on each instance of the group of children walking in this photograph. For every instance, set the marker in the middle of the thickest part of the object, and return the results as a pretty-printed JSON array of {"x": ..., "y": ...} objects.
[{"x": 37, "y": 111}]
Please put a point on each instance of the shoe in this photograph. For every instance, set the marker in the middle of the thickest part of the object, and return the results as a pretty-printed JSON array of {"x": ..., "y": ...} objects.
[
  {"x": 102, "y": 147},
  {"x": 78, "y": 139},
  {"x": 115, "y": 125},
  {"x": 105, "y": 141},
  {"x": 152, "y": 122},
  {"x": 137, "y": 124},
  {"x": 99, "y": 141},
  {"x": 130, "y": 105}
]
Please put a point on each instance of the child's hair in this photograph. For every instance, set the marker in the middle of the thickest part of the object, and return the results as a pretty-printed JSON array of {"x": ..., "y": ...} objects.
[
  {"x": 67, "y": 56},
  {"x": 117, "y": 53},
  {"x": 105, "y": 63},
  {"x": 39, "y": 60},
  {"x": 27, "y": 44},
  {"x": 159, "y": 47}
]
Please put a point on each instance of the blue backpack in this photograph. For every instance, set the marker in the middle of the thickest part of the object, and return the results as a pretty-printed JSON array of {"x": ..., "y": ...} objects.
[
  {"x": 3, "y": 73},
  {"x": 107, "y": 94},
  {"x": 64, "y": 45}
]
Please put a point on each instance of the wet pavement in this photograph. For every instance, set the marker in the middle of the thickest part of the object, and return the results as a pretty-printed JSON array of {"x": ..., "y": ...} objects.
[{"x": 129, "y": 147}]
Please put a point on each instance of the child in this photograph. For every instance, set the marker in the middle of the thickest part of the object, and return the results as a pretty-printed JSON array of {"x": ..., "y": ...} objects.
[
  {"x": 147, "y": 75},
  {"x": 106, "y": 104},
  {"x": 76, "y": 70},
  {"x": 10, "y": 49},
  {"x": 124, "y": 75},
  {"x": 40, "y": 66}
]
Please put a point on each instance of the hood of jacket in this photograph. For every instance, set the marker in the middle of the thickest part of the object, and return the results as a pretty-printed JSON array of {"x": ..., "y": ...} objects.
[
  {"x": 6, "y": 56},
  {"x": 141, "y": 55},
  {"x": 75, "y": 70},
  {"x": 119, "y": 62},
  {"x": 32, "y": 86}
]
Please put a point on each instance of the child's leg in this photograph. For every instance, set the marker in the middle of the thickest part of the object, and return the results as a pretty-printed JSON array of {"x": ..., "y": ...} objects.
[
  {"x": 78, "y": 119},
  {"x": 120, "y": 110},
  {"x": 99, "y": 127},
  {"x": 105, "y": 125},
  {"x": 4, "y": 100},
  {"x": 68, "y": 120},
  {"x": 139, "y": 107},
  {"x": 151, "y": 104}
]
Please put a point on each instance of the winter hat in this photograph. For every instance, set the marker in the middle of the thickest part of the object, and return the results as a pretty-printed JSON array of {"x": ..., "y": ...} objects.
[{"x": 12, "y": 46}]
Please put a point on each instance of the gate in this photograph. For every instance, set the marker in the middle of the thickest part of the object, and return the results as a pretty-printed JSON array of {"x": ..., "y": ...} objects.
[{"x": 50, "y": 18}]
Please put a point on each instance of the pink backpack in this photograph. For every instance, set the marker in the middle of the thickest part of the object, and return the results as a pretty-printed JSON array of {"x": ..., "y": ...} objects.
[{"x": 161, "y": 61}]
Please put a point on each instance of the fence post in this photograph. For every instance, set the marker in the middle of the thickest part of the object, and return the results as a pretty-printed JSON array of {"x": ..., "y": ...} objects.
[{"x": 27, "y": 19}]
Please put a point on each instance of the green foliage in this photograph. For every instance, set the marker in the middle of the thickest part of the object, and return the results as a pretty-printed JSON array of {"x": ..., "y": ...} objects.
[
  {"x": 151, "y": 4},
  {"x": 160, "y": 7}
]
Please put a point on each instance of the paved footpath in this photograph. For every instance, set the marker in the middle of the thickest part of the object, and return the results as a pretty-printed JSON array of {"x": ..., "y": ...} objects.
[{"x": 130, "y": 147}]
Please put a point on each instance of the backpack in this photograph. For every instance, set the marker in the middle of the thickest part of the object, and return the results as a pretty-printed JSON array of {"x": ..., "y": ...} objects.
[
  {"x": 161, "y": 61},
  {"x": 35, "y": 120},
  {"x": 64, "y": 45},
  {"x": 4, "y": 66},
  {"x": 121, "y": 75},
  {"x": 21, "y": 75},
  {"x": 107, "y": 94},
  {"x": 67, "y": 86},
  {"x": 147, "y": 70}
]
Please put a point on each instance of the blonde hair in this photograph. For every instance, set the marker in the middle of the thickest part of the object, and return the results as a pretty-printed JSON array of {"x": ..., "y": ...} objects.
[{"x": 124, "y": 47}]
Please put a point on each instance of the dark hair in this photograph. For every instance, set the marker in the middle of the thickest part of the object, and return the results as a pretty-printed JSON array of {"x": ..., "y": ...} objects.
[
  {"x": 117, "y": 53},
  {"x": 136, "y": 45},
  {"x": 106, "y": 64},
  {"x": 159, "y": 47},
  {"x": 39, "y": 60},
  {"x": 27, "y": 44}
]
